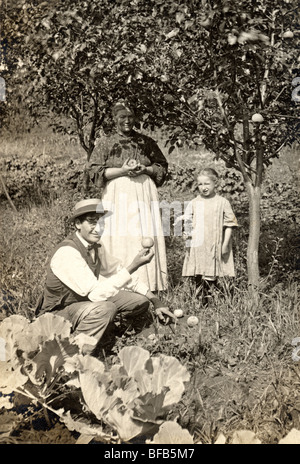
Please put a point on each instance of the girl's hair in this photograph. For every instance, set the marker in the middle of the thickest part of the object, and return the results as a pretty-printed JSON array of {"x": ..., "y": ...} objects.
[{"x": 208, "y": 172}]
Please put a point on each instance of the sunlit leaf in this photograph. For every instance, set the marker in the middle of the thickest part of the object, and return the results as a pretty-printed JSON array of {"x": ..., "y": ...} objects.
[
  {"x": 292, "y": 438},
  {"x": 95, "y": 395},
  {"x": 84, "y": 341},
  {"x": 10, "y": 328},
  {"x": 51, "y": 357},
  {"x": 245, "y": 437},
  {"x": 10, "y": 379},
  {"x": 171, "y": 433},
  {"x": 221, "y": 440},
  {"x": 133, "y": 358},
  {"x": 44, "y": 328},
  {"x": 82, "y": 363}
]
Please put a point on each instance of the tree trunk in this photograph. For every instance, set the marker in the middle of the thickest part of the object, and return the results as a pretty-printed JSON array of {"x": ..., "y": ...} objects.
[
  {"x": 254, "y": 194},
  {"x": 85, "y": 182},
  {"x": 86, "y": 174}
]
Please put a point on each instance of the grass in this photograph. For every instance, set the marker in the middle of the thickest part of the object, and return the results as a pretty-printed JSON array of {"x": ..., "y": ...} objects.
[{"x": 240, "y": 354}]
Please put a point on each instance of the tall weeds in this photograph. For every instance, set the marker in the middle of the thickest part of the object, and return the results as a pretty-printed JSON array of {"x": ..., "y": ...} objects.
[{"x": 239, "y": 355}]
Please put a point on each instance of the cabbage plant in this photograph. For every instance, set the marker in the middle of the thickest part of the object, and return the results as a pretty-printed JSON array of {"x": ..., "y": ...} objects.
[{"x": 45, "y": 361}]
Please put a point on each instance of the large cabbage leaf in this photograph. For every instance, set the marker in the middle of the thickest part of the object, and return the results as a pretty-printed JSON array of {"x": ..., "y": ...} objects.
[
  {"x": 51, "y": 357},
  {"x": 95, "y": 395},
  {"x": 121, "y": 419},
  {"x": 10, "y": 328},
  {"x": 82, "y": 363},
  {"x": 10, "y": 379},
  {"x": 164, "y": 373},
  {"x": 170, "y": 433},
  {"x": 169, "y": 372},
  {"x": 44, "y": 328},
  {"x": 133, "y": 358}
]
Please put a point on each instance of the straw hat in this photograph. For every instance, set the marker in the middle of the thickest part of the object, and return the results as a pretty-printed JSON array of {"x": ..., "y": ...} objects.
[{"x": 90, "y": 205}]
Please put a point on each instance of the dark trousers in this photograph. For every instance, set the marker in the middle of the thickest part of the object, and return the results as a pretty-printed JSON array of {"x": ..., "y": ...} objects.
[{"x": 94, "y": 318}]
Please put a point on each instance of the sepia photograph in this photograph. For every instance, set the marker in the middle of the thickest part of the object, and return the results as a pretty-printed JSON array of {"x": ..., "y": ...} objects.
[{"x": 149, "y": 251}]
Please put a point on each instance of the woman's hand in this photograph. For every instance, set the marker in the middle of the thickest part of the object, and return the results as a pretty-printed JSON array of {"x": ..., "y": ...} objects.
[
  {"x": 141, "y": 169},
  {"x": 132, "y": 168},
  {"x": 129, "y": 166}
]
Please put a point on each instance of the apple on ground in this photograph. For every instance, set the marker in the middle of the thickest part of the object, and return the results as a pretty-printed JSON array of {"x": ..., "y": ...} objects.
[
  {"x": 178, "y": 312},
  {"x": 192, "y": 321}
]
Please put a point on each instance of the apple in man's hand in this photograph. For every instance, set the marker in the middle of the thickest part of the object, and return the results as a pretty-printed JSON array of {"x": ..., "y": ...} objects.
[{"x": 147, "y": 242}]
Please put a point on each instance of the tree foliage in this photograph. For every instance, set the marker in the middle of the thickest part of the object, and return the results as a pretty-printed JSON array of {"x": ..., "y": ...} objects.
[
  {"x": 213, "y": 72},
  {"x": 224, "y": 63},
  {"x": 203, "y": 68}
]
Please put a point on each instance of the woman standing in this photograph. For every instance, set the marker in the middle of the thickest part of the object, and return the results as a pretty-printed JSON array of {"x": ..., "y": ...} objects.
[{"x": 129, "y": 166}]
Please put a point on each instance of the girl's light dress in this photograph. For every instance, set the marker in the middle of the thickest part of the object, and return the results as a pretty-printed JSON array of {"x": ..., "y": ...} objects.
[
  {"x": 207, "y": 218},
  {"x": 134, "y": 202}
]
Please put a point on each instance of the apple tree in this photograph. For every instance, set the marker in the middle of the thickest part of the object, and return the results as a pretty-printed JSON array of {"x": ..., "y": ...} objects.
[
  {"x": 72, "y": 58},
  {"x": 223, "y": 72},
  {"x": 213, "y": 72}
]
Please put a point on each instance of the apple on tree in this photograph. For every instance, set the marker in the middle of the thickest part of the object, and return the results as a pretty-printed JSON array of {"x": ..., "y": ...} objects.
[
  {"x": 288, "y": 34},
  {"x": 257, "y": 117}
]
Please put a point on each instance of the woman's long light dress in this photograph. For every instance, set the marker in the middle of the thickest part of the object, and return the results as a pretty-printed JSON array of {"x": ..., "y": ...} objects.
[{"x": 134, "y": 202}]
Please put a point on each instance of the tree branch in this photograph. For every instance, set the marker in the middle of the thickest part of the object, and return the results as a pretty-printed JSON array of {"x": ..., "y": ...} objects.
[
  {"x": 7, "y": 194},
  {"x": 263, "y": 87},
  {"x": 236, "y": 152},
  {"x": 259, "y": 159}
]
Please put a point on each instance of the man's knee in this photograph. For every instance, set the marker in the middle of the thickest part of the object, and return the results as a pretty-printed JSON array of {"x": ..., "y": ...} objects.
[
  {"x": 105, "y": 309},
  {"x": 138, "y": 303},
  {"x": 143, "y": 303},
  {"x": 128, "y": 302}
]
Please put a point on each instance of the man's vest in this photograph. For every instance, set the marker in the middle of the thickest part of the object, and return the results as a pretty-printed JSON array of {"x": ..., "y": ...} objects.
[{"x": 56, "y": 294}]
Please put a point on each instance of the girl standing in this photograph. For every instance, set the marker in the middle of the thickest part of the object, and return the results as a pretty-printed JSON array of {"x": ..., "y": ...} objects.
[{"x": 209, "y": 220}]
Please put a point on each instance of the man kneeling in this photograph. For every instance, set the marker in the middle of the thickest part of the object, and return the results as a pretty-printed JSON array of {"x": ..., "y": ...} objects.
[{"x": 88, "y": 286}]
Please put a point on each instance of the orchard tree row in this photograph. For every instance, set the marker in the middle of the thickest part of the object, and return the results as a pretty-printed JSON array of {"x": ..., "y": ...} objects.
[{"x": 216, "y": 73}]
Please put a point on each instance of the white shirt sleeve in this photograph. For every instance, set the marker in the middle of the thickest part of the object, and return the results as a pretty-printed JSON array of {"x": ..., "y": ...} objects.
[
  {"x": 69, "y": 266},
  {"x": 112, "y": 266},
  {"x": 136, "y": 286}
]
